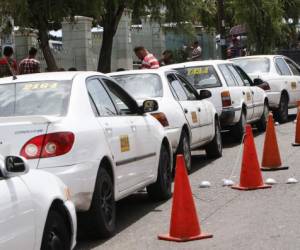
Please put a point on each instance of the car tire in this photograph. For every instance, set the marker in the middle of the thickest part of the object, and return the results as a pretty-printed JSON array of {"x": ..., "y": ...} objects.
[
  {"x": 262, "y": 123},
  {"x": 215, "y": 147},
  {"x": 238, "y": 130},
  {"x": 100, "y": 220},
  {"x": 185, "y": 150},
  {"x": 161, "y": 189},
  {"x": 283, "y": 110},
  {"x": 56, "y": 234}
]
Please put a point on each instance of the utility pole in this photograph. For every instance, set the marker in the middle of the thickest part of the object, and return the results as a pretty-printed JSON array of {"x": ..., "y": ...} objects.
[{"x": 222, "y": 30}]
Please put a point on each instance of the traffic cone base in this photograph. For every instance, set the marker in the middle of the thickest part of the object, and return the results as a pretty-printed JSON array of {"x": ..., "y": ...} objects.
[
  {"x": 197, "y": 237},
  {"x": 274, "y": 168},
  {"x": 250, "y": 188}
]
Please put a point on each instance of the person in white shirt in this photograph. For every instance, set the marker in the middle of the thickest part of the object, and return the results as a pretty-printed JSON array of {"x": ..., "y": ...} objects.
[{"x": 196, "y": 52}]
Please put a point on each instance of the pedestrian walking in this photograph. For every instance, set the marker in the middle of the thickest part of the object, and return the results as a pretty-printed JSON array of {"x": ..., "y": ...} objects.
[
  {"x": 149, "y": 61},
  {"x": 30, "y": 65},
  {"x": 8, "y": 66},
  {"x": 167, "y": 58},
  {"x": 196, "y": 52}
]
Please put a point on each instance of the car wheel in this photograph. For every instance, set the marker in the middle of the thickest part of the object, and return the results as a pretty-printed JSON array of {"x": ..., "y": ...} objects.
[
  {"x": 161, "y": 189},
  {"x": 262, "y": 123},
  {"x": 185, "y": 150},
  {"x": 283, "y": 112},
  {"x": 238, "y": 130},
  {"x": 56, "y": 234},
  {"x": 100, "y": 220},
  {"x": 215, "y": 147}
]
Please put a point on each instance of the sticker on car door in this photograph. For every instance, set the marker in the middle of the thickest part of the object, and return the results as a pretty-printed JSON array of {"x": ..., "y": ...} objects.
[
  {"x": 124, "y": 142},
  {"x": 194, "y": 117},
  {"x": 293, "y": 85}
]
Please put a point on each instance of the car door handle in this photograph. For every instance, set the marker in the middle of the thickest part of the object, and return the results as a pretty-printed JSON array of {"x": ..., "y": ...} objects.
[
  {"x": 252, "y": 92},
  {"x": 199, "y": 109},
  {"x": 185, "y": 111},
  {"x": 244, "y": 93},
  {"x": 133, "y": 128},
  {"x": 108, "y": 131}
]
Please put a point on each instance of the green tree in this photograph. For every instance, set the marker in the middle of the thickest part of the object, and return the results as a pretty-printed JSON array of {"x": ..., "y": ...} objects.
[
  {"x": 42, "y": 16},
  {"x": 263, "y": 19}
]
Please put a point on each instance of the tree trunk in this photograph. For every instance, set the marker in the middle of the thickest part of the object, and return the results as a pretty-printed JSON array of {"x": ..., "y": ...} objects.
[
  {"x": 44, "y": 44},
  {"x": 111, "y": 21}
]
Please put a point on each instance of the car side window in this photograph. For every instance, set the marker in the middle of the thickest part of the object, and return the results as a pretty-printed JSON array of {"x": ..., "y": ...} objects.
[
  {"x": 294, "y": 68},
  {"x": 244, "y": 76},
  {"x": 227, "y": 75},
  {"x": 237, "y": 76},
  {"x": 119, "y": 100},
  {"x": 187, "y": 87},
  {"x": 282, "y": 67},
  {"x": 176, "y": 88},
  {"x": 100, "y": 98}
]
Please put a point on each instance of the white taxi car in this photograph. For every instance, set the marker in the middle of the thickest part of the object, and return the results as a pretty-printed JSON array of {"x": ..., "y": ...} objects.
[
  {"x": 234, "y": 95},
  {"x": 190, "y": 121},
  {"x": 282, "y": 76},
  {"x": 35, "y": 209},
  {"x": 84, "y": 128}
]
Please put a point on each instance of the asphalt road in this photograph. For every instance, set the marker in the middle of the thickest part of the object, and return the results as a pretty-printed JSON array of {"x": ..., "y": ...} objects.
[{"x": 263, "y": 219}]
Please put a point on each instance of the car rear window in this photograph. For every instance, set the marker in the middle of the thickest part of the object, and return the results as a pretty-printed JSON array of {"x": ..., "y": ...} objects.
[
  {"x": 35, "y": 98},
  {"x": 141, "y": 86},
  {"x": 201, "y": 76},
  {"x": 253, "y": 65}
]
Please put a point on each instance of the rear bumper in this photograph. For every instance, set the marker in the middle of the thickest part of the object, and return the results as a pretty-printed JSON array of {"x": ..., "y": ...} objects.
[
  {"x": 274, "y": 99},
  {"x": 73, "y": 220},
  {"x": 80, "y": 178},
  {"x": 228, "y": 116},
  {"x": 174, "y": 137}
]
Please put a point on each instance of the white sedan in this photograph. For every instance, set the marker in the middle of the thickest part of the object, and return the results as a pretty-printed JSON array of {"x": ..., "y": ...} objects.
[
  {"x": 84, "y": 128},
  {"x": 234, "y": 95},
  {"x": 281, "y": 74},
  {"x": 189, "y": 120},
  {"x": 35, "y": 209}
]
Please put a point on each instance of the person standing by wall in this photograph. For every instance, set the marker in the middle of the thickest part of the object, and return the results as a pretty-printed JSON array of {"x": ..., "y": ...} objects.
[
  {"x": 30, "y": 65},
  {"x": 196, "y": 52},
  {"x": 167, "y": 58},
  {"x": 149, "y": 61},
  {"x": 8, "y": 66}
]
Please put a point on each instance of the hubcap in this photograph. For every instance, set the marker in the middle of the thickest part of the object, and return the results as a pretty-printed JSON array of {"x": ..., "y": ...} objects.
[
  {"x": 186, "y": 151},
  {"x": 54, "y": 240},
  {"x": 106, "y": 201}
]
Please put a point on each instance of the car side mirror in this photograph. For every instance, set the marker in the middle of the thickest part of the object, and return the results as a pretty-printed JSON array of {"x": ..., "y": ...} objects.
[
  {"x": 149, "y": 106},
  {"x": 204, "y": 94},
  {"x": 257, "y": 81},
  {"x": 12, "y": 166}
]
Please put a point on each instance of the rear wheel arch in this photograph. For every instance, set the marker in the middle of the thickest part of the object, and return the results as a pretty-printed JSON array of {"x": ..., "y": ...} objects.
[
  {"x": 185, "y": 128},
  {"x": 167, "y": 144},
  {"x": 107, "y": 164},
  {"x": 284, "y": 92}
]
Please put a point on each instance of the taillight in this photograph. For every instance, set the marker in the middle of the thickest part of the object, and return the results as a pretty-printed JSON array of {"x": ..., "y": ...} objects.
[
  {"x": 226, "y": 99},
  {"x": 161, "y": 117},
  {"x": 264, "y": 86},
  {"x": 48, "y": 145}
]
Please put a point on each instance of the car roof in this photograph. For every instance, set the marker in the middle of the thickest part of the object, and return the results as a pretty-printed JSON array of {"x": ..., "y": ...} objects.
[
  {"x": 53, "y": 76},
  {"x": 197, "y": 63},
  {"x": 158, "y": 71},
  {"x": 256, "y": 56}
]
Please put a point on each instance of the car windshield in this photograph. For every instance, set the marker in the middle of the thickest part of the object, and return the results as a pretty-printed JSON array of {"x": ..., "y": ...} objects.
[
  {"x": 34, "y": 98},
  {"x": 253, "y": 65},
  {"x": 201, "y": 76},
  {"x": 141, "y": 86}
]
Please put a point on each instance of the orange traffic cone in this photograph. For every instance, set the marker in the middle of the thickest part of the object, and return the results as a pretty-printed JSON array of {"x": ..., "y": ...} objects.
[
  {"x": 271, "y": 160},
  {"x": 251, "y": 177},
  {"x": 184, "y": 224},
  {"x": 297, "y": 137}
]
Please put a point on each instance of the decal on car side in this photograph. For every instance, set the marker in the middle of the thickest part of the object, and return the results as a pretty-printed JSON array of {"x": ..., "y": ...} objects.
[{"x": 124, "y": 143}]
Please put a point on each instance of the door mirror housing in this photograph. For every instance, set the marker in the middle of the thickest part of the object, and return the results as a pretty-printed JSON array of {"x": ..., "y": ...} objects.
[
  {"x": 12, "y": 166},
  {"x": 204, "y": 94},
  {"x": 149, "y": 106},
  {"x": 257, "y": 81}
]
